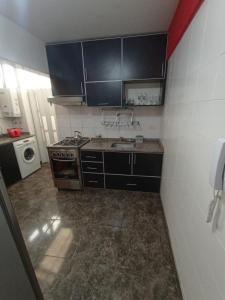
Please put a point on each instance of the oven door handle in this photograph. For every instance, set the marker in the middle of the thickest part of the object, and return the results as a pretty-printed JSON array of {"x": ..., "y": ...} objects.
[{"x": 66, "y": 160}]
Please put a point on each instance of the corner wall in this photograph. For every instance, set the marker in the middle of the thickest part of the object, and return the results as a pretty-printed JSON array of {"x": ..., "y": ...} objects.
[
  {"x": 193, "y": 119},
  {"x": 19, "y": 46}
]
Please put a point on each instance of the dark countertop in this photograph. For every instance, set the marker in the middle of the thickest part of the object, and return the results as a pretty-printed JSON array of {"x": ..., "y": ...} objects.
[
  {"x": 5, "y": 139},
  {"x": 103, "y": 144}
]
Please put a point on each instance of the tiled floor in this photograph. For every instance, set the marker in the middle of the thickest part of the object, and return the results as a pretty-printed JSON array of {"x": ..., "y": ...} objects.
[{"x": 95, "y": 244}]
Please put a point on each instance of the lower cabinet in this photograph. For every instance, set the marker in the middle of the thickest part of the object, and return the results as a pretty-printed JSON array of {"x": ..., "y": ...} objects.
[
  {"x": 93, "y": 180},
  {"x": 8, "y": 164},
  {"x": 133, "y": 183},
  {"x": 122, "y": 170}
]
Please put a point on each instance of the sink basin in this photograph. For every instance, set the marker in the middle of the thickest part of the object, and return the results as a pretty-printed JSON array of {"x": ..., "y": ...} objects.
[{"x": 123, "y": 145}]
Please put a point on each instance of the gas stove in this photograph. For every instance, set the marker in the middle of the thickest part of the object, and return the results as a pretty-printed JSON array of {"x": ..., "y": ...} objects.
[
  {"x": 72, "y": 142},
  {"x": 65, "y": 162}
]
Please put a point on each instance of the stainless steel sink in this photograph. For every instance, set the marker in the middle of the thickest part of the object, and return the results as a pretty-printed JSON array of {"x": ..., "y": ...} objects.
[{"x": 123, "y": 145}]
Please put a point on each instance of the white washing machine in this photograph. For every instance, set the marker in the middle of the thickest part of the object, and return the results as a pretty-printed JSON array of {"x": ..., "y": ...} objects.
[{"x": 27, "y": 155}]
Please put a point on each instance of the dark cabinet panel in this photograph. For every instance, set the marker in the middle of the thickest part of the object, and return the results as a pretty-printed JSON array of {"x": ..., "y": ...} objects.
[
  {"x": 104, "y": 93},
  {"x": 148, "y": 184},
  {"x": 92, "y": 167},
  {"x": 121, "y": 182},
  {"x": 66, "y": 69},
  {"x": 91, "y": 156},
  {"x": 117, "y": 163},
  {"x": 9, "y": 165},
  {"x": 147, "y": 164},
  {"x": 133, "y": 183},
  {"x": 144, "y": 57},
  {"x": 102, "y": 59},
  {"x": 93, "y": 180}
]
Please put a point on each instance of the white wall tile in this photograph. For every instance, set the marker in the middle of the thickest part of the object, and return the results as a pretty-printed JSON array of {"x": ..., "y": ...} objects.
[
  {"x": 88, "y": 121},
  {"x": 193, "y": 119}
]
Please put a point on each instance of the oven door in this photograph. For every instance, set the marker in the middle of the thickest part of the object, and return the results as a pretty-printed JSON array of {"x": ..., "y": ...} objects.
[{"x": 65, "y": 168}]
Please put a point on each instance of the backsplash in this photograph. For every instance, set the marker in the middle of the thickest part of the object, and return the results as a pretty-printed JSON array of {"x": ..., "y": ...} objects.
[
  {"x": 4, "y": 124},
  {"x": 89, "y": 121}
]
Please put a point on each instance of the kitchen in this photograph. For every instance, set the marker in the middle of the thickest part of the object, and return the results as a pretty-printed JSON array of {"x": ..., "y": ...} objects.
[{"x": 111, "y": 150}]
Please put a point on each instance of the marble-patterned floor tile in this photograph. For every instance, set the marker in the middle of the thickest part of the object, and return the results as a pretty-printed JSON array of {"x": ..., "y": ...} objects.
[{"x": 95, "y": 244}]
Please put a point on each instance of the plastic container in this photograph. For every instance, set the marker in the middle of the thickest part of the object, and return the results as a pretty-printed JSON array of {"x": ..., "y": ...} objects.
[{"x": 14, "y": 132}]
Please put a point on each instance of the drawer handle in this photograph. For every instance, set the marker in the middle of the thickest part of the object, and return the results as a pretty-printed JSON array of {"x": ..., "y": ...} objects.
[
  {"x": 89, "y": 156},
  {"x": 91, "y": 168},
  {"x": 162, "y": 71},
  {"x": 131, "y": 184},
  {"x": 92, "y": 181}
]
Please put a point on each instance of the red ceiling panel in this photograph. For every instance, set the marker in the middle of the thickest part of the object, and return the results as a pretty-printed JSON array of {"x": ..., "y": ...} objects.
[{"x": 184, "y": 14}]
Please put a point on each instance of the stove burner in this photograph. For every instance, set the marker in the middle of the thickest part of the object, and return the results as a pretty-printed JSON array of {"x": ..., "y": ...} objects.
[{"x": 70, "y": 141}]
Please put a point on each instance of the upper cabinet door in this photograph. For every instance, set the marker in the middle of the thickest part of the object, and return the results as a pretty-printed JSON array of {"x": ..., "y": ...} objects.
[
  {"x": 104, "y": 93},
  {"x": 144, "y": 57},
  {"x": 102, "y": 60},
  {"x": 66, "y": 69}
]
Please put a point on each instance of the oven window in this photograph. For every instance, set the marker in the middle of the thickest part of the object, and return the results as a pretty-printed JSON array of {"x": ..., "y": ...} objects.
[{"x": 65, "y": 169}]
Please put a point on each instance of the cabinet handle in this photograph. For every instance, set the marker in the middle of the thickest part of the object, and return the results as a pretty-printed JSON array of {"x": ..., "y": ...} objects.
[
  {"x": 85, "y": 74},
  {"x": 92, "y": 181},
  {"x": 103, "y": 103},
  {"x": 131, "y": 184},
  {"x": 81, "y": 86},
  {"x": 129, "y": 159},
  {"x": 89, "y": 156},
  {"x": 134, "y": 159},
  {"x": 162, "y": 69},
  {"x": 91, "y": 168}
]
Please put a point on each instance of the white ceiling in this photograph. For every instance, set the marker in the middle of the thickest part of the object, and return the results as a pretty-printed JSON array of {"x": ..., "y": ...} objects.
[{"x": 61, "y": 20}]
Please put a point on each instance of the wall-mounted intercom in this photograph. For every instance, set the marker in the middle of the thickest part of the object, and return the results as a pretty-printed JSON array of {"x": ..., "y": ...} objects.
[
  {"x": 217, "y": 168},
  {"x": 217, "y": 181}
]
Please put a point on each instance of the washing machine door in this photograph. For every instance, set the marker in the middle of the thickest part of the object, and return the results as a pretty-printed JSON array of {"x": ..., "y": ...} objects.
[{"x": 28, "y": 154}]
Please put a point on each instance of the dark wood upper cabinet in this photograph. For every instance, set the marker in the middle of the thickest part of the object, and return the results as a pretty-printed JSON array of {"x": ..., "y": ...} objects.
[
  {"x": 147, "y": 164},
  {"x": 102, "y": 60},
  {"x": 104, "y": 93},
  {"x": 144, "y": 57},
  {"x": 117, "y": 163},
  {"x": 66, "y": 69}
]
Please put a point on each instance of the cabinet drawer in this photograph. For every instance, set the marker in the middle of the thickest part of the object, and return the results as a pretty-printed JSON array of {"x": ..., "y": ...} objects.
[
  {"x": 133, "y": 183},
  {"x": 91, "y": 156},
  {"x": 92, "y": 167},
  {"x": 93, "y": 180}
]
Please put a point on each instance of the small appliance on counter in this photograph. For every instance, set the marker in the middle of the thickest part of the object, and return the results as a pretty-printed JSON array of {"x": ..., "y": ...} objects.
[
  {"x": 139, "y": 139},
  {"x": 65, "y": 162},
  {"x": 14, "y": 132}
]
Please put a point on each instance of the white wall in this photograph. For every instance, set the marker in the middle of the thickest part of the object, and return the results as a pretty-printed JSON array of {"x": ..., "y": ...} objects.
[
  {"x": 88, "y": 121},
  {"x": 19, "y": 46},
  {"x": 194, "y": 118},
  {"x": 4, "y": 124}
]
